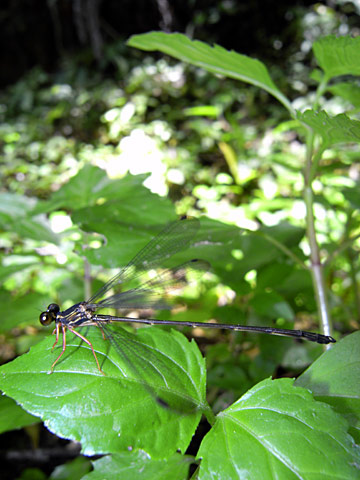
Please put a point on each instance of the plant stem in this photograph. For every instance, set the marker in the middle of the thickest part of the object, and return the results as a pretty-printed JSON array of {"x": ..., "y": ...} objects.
[
  {"x": 316, "y": 267},
  {"x": 209, "y": 414}
]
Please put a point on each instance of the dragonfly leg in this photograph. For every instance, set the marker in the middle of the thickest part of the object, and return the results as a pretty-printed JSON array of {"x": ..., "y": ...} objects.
[
  {"x": 63, "y": 331},
  {"x": 102, "y": 332},
  {"x": 90, "y": 345},
  {"x": 56, "y": 331}
]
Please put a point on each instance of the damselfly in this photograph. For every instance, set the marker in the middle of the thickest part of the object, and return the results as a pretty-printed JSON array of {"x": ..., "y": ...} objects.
[{"x": 151, "y": 293}]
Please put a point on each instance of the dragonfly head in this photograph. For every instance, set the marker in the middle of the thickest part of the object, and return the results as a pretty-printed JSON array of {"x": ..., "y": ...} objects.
[{"x": 50, "y": 315}]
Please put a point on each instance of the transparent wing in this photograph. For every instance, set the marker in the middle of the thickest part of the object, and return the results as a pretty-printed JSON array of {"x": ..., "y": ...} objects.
[
  {"x": 174, "y": 238},
  {"x": 156, "y": 292},
  {"x": 170, "y": 385}
]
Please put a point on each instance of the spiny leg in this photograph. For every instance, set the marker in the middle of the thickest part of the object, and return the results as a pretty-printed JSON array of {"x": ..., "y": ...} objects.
[
  {"x": 56, "y": 331},
  {"x": 63, "y": 331},
  {"x": 90, "y": 345}
]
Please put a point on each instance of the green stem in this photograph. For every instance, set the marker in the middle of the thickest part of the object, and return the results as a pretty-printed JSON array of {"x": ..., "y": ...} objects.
[
  {"x": 320, "y": 90},
  {"x": 316, "y": 267},
  {"x": 209, "y": 414}
]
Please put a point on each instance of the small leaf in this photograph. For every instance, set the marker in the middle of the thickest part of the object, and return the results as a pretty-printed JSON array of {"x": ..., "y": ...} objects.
[
  {"x": 17, "y": 215},
  {"x": 81, "y": 190},
  {"x": 278, "y": 431},
  {"x": 12, "y": 416},
  {"x": 34, "y": 228},
  {"x": 76, "y": 469},
  {"x": 272, "y": 305},
  {"x": 6, "y": 271},
  {"x": 213, "y": 59},
  {"x": 352, "y": 195},
  {"x": 89, "y": 185},
  {"x": 20, "y": 311},
  {"x": 334, "y": 378},
  {"x": 333, "y": 130},
  {"x": 15, "y": 206},
  {"x": 139, "y": 465},
  {"x": 348, "y": 91},
  {"x": 338, "y": 55},
  {"x": 203, "y": 111},
  {"x": 112, "y": 413}
]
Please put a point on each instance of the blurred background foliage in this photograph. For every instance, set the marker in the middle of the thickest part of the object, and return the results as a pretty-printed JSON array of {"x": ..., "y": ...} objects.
[{"x": 103, "y": 138}]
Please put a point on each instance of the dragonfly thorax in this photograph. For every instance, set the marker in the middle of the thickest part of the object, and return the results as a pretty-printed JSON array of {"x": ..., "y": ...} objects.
[{"x": 50, "y": 315}]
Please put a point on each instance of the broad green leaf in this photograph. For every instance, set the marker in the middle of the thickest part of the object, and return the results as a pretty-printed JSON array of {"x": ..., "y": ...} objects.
[
  {"x": 17, "y": 215},
  {"x": 299, "y": 356},
  {"x": 33, "y": 228},
  {"x": 126, "y": 236},
  {"x": 214, "y": 241},
  {"x": 127, "y": 226},
  {"x": 21, "y": 311},
  {"x": 259, "y": 249},
  {"x": 274, "y": 274},
  {"x": 80, "y": 191},
  {"x": 15, "y": 206},
  {"x": 140, "y": 466},
  {"x": 348, "y": 91},
  {"x": 278, "y": 431},
  {"x": 12, "y": 416},
  {"x": 213, "y": 59},
  {"x": 272, "y": 305},
  {"x": 6, "y": 271},
  {"x": 333, "y": 130},
  {"x": 75, "y": 469},
  {"x": 90, "y": 185},
  {"x": 352, "y": 195},
  {"x": 334, "y": 378},
  {"x": 338, "y": 55},
  {"x": 119, "y": 410}
]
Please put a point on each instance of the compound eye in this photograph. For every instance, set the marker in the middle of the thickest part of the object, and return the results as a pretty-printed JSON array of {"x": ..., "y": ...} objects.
[
  {"x": 46, "y": 318},
  {"x": 53, "y": 308}
]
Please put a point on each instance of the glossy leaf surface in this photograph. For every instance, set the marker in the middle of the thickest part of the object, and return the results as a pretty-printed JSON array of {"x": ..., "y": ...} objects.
[
  {"x": 123, "y": 408},
  {"x": 278, "y": 431}
]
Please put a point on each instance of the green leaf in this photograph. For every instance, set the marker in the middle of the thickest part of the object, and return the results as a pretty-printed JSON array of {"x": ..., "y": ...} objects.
[
  {"x": 12, "y": 416},
  {"x": 334, "y": 378},
  {"x": 348, "y": 91},
  {"x": 333, "y": 130},
  {"x": 127, "y": 226},
  {"x": 203, "y": 111},
  {"x": 120, "y": 410},
  {"x": 139, "y": 465},
  {"x": 6, "y": 271},
  {"x": 278, "y": 431},
  {"x": 272, "y": 305},
  {"x": 32, "y": 474},
  {"x": 76, "y": 469},
  {"x": 90, "y": 185},
  {"x": 274, "y": 275},
  {"x": 17, "y": 215},
  {"x": 338, "y": 55},
  {"x": 16, "y": 311},
  {"x": 352, "y": 195},
  {"x": 213, "y": 59}
]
